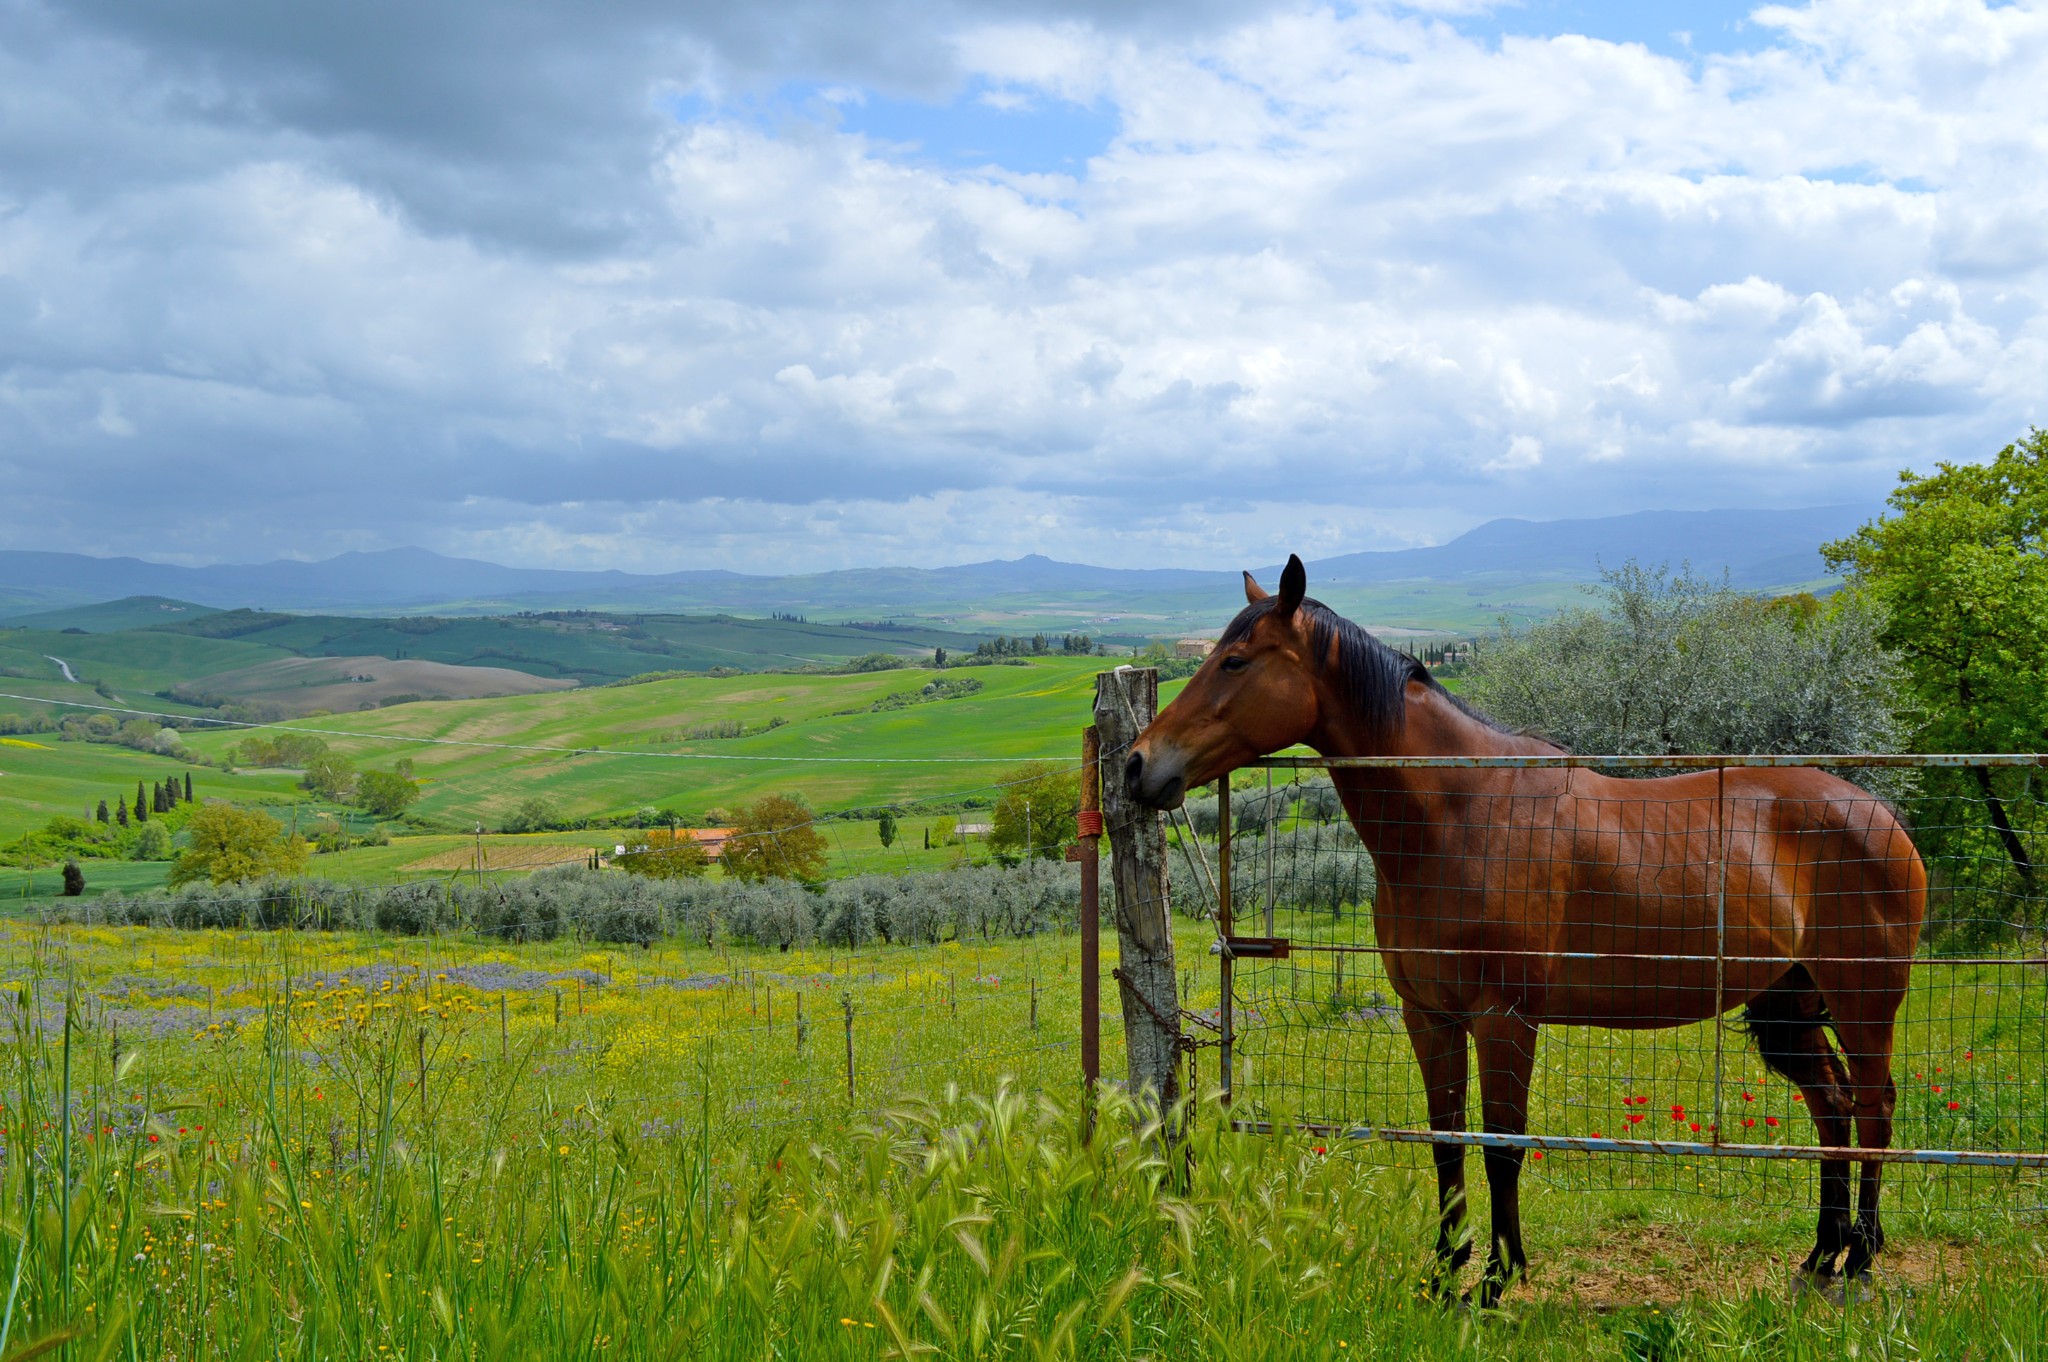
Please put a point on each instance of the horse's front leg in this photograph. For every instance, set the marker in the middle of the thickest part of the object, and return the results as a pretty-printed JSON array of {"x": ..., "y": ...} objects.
[
  {"x": 1507, "y": 1056},
  {"x": 1439, "y": 1041}
]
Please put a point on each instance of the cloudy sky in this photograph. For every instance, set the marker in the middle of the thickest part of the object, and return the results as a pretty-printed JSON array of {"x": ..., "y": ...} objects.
[{"x": 797, "y": 284}]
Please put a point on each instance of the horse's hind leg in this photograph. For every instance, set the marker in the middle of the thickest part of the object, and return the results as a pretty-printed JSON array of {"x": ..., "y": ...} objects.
[
  {"x": 1787, "y": 1021},
  {"x": 1868, "y": 1046},
  {"x": 1506, "y": 1046},
  {"x": 1439, "y": 1041}
]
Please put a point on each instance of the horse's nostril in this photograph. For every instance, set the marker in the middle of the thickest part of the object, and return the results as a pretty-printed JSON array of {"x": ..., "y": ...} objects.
[{"x": 1133, "y": 769}]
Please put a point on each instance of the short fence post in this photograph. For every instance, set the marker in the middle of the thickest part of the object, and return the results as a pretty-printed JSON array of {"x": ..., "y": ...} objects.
[
  {"x": 1090, "y": 828},
  {"x": 800, "y": 1028},
  {"x": 558, "y": 1007},
  {"x": 504, "y": 1031},
  {"x": 1125, "y": 701},
  {"x": 846, "y": 1001}
]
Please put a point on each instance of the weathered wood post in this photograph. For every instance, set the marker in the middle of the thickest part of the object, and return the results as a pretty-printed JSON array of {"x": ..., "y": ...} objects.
[{"x": 1125, "y": 701}]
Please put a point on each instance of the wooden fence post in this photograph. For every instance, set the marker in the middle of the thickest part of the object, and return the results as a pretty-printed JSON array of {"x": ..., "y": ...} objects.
[{"x": 1125, "y": 701}]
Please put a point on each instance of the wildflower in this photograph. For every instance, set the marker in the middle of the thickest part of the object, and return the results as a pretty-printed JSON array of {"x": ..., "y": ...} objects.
[
  {"x": 1749, "y": 1097},
  {"x": 1677, "y": 1112},
  {"x": 1955, "y": 1106},
  {"x": 152, "y": 1138},
  {"x": 1537, "y": 1154},
  {"x": 1320, "y": 1149},
  {"x": 1969, "y": 1054},
  {"x": 563, "y": 1150},
  {"x": 1635, "y": 1119},
  {"x": 1937, "y": 1087},
  {"x": 1596, "y": 1134},
  {"x": 1770, "y": 1120},
  {"x": 1748, "y": 1121},
  {"x": 1695, "y": 1127}
]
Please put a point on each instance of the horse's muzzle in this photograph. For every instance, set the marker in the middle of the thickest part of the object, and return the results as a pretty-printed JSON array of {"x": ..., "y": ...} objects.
[{"x": 1160, "y": 783}]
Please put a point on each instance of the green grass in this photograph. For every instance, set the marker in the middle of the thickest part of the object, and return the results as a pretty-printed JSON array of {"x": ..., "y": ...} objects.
[
  {"x": 630, "y": 1155},
  {"x": 51, "y": 777},
  {"x": 106, "y": 617},
  {"x": 135, "y": 662},
  {"x": 1022, "y": 713}
]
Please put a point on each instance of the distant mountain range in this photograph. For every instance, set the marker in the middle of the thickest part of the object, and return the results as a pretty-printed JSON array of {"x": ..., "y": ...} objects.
[{"x": 1756, "y": 548}]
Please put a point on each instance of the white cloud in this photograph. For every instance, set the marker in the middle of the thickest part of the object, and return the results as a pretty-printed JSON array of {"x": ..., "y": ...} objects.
[{"x": 1342, "y": 273}]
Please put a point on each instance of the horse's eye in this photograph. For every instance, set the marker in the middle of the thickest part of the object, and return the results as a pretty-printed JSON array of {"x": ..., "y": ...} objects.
[{"x": 1236, "y": 664}]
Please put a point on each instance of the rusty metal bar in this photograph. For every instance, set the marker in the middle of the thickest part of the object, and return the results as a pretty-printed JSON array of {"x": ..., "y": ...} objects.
[
  {"x": 1226, "y": 1014},
  {"x": 1552, "y": 761},
  {"x": 1968, "y": 1158},
  {"x": 1090, "y": 829}
]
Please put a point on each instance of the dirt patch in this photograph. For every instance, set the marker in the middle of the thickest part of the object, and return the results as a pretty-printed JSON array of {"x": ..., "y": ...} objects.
[
  {"x": 346, "y": 684},
  {"x": 1660, "y": 1265},
  {"x": 501, "y": 856}
]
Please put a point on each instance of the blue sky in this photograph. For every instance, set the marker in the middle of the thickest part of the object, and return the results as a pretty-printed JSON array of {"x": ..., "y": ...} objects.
[{"x": 809, "y": 284}]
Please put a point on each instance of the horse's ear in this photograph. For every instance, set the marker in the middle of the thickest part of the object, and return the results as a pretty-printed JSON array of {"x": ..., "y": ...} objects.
[
  {"x": 1253, "y": 592},
  {"x": 1293, "y": 586}
]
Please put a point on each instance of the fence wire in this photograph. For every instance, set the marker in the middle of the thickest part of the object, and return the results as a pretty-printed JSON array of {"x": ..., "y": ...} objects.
[{"x": 1639, "y": 924}]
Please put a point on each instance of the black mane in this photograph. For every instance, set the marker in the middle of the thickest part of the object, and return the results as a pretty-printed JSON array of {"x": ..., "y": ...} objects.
[{"x": 1372, "y": 676}]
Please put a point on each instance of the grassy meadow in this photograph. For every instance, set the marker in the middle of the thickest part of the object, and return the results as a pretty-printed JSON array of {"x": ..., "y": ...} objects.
[
  {"x": 364, "y": 1147},
  {"x": 831, "y": 745}
]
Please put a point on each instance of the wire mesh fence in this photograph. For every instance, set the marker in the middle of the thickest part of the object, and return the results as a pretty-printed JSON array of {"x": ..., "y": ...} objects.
[{"x": 1620, "y": 937}]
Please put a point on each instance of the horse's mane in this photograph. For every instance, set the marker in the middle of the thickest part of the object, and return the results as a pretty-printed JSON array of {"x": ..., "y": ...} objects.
[{"x": 1370, "y": 675}]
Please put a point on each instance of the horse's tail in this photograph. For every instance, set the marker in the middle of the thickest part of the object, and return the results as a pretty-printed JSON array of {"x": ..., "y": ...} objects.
[{"x": 1787, "y": 1021}]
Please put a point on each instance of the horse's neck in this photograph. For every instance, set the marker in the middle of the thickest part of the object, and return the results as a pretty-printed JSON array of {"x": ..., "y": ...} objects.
[{"x": 1393, "y": 807}]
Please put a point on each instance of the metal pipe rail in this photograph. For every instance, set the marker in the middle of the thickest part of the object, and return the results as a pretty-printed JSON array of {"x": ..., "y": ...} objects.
[{"x": 1954, "y": 1158}]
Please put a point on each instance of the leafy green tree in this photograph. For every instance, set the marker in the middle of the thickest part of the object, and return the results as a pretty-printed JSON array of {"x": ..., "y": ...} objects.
[
  {"x": 230, "y": 845},
  {"x": 1039, "y": 811},
  {"x": 886, "y": 829},
  {"x": 386, "y": 793},
  {"x": 74, "y": 880},
  {"x": 774, "y": 838},
  {"x": 330, "y": 776},
  {"x": 153, "y": 843},
  {"x": 537, "y": 813},
  {"x": 1961, "y": 567},
  {"x": 1684, "y": 664}
]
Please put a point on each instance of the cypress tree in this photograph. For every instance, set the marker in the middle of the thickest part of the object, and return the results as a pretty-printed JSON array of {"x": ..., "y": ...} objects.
[
  {"x": 102, "y": 814},
  {"x": 121, "y": 812},
  {"x": 141, "y": 809},
  {"x": 188, "y": 787},
  {"x": 156, "y": 796}
]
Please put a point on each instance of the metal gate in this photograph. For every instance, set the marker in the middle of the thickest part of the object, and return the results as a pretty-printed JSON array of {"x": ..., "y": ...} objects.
[{"x": 1308, "y": 1027}]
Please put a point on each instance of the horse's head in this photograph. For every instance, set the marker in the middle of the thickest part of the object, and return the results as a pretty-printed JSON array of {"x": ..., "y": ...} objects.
[{"x": 1256, "y": 694}]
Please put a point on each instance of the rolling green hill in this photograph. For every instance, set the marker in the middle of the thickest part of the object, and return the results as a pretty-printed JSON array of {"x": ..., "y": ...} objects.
[
  {"x": 41, "y": 777},
  {"x": 589, "y": 647},
  {"x": 135, "y": 662},
  {"x": 107, "y": 617},
  {"x": 831, "y": 745}
]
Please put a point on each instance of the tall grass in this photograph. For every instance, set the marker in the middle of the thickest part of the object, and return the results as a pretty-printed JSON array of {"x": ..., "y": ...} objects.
[{"x": 356, "y": 1172}]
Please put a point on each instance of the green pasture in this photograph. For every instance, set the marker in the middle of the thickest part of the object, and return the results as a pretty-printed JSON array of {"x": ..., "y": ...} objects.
[
  {"x": 136, "y": 662},
  {"x": 41, "y": 777},
  {"x": 365, "y": 1147},
  {"x": 108, "y": 617},
  {"x": 831, "y": 747}
]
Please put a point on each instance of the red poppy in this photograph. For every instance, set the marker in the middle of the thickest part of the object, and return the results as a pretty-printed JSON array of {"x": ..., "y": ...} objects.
[
  {"x": 1955, "y": 1106},
  {"x": 1969, "y": 1054},
  {"x": 1799, "y": 1097},
  {"x": 1749, "y": 1097},
  {"x": 1677, "y": 1112},
  {"x": 1937, "y": 1087},
  {"x": 152, "y": 1139},
  {"x": 1748, "y": 1121},
  {"x": 1632, "y": 1120},
  {"x": 1770, "y": 1120},
  {"x": 1537, "y": 1154},
  {"x": 1596, "y": 1134},
  {"x": 1695, "y": 1127},
  {"x": 183, "y": 1131},
  {"x": 1937, "y": 1068},
  {"x": 1321, "y": 1150}
]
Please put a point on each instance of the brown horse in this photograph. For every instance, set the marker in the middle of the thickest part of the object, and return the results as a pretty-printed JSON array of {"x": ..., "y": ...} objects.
[{"x": 1509, "y": 898}]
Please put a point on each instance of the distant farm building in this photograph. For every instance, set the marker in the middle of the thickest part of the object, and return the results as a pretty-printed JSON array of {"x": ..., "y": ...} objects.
[
  {"x": 963, "y": 828},
  {"x": 713, "y": 840},
  {"x": 1194, "y": 647}
]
